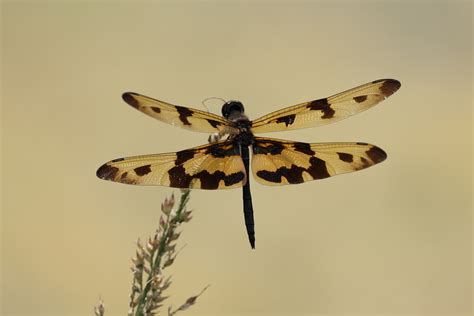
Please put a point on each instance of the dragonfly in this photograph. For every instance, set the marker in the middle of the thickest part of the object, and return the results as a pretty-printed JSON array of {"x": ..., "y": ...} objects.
[{"x": 225, "y": 163}]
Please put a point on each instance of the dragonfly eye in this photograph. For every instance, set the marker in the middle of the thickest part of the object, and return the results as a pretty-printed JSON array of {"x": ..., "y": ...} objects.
[{"x": 232, "y": 107}]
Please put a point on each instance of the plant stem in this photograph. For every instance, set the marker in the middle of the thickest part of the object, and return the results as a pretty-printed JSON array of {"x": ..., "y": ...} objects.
[{"x": 162, "y": 249}]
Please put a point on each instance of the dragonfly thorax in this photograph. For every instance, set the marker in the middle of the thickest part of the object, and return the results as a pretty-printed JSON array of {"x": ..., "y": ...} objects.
[{"x": 244, "y": 138}]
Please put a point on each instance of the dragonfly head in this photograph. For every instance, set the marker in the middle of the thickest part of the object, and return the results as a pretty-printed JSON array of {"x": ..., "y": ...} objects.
[{"x": 231, "y": 109}]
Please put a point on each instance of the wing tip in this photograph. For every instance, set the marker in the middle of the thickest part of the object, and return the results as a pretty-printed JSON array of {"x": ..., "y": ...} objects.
[
  {"x": 129, "y": 98},
  {"x": 376, "y": 154},
  {"x": 106, "y": 172},
  {"x": 389, "y": 86}
]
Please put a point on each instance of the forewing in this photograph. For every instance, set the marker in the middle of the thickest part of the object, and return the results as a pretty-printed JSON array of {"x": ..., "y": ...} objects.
[
  {"x": 279, "y": 162},
  {"x": 328, "y": 110},
  {"x": 213, "y": 166},
  {"x": 181, "y": 116}
]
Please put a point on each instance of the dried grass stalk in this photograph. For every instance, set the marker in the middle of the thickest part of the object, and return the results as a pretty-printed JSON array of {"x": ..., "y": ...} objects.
[{"x": 152, "y": 257}]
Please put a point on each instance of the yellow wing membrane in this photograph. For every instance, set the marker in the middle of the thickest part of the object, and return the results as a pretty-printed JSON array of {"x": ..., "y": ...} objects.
[
  {"x": 192, "y": 119},
  {"x": 209, "y": 167},
  {"x": 279, "y": 162},
  {"x": 327, "y": 110}
]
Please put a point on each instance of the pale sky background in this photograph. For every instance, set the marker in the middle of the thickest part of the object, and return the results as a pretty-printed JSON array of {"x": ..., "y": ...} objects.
[{"x": 394, "y": 239}]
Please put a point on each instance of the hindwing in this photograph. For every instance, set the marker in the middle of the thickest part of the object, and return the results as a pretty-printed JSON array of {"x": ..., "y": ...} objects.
[
  {"x": 279, "y": 162},
  {"x": 212, "y": 166}
]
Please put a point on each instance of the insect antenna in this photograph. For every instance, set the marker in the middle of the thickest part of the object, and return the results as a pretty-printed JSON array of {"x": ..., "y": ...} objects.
[
  {"x": 211, "y": 98},
  {"x": 213, "y": 138}
]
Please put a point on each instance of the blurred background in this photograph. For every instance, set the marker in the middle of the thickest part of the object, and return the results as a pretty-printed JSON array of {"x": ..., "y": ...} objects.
[{"x": 391, "y": 240}]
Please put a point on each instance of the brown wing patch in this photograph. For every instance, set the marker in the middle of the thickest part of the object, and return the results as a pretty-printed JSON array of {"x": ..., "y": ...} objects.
[
  {"x": 132, "y": 100},
  {"x": 213, "y": 166},
  {"x": 323, "y": 106},
  {"x": 184, "y": 114},
  {"x": 327, "y": 110},
  {"x": 107, "y": 171},
  {"x": 346, "y": 157},
  {"x": 287, "y": 120},
  {"x": 184, "y": 117},
  {"x": 360, "y": 98},
  {"x": 388, "y": 87},
  {"x": 179, "y": 178},
  {"x": 279, "y": 162},
  {"x": 143, "y": 170}
]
